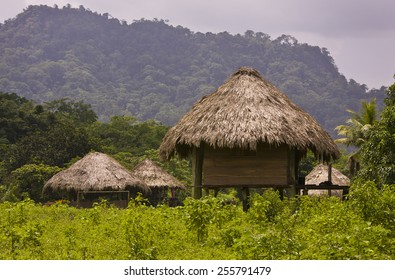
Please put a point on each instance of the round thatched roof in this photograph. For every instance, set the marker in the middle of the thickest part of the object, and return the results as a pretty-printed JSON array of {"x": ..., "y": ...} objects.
[
  {"x": 242, "y": 112},
  {"x": 95, "y": 171},
  {"x": 320, "y": 174},
  {"x": 154, "y": 176}
]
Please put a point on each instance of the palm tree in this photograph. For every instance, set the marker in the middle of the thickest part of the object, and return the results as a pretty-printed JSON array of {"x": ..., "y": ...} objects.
[{"x": 357, "y": 130}]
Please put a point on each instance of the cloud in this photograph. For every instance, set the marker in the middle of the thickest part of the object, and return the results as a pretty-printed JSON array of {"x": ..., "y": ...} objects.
[
  {"x": 357, "y": 33},
  {"x": 335, "y": 18}
]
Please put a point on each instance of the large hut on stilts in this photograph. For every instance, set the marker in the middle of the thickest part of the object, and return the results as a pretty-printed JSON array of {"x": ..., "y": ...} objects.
[
  {"x": 246, "y": 134},
  {"x": 163, "y": 185},
  {"x": 95, "y": 176}
]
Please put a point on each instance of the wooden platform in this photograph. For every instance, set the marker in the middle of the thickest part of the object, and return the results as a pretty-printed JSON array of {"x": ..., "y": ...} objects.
[{"x": 326, "y": 187}]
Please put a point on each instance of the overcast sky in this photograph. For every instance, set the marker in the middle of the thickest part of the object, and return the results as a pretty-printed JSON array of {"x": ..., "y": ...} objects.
[{"x": 359, "y": 34}]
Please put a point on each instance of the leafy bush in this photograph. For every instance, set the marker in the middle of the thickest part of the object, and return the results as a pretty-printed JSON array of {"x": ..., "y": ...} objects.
[
  {"x": 376, "y": 205},
  {"x": 208, "y": 228}
]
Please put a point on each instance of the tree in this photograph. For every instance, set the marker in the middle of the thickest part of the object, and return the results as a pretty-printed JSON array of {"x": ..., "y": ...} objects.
[
  {"x": 128, "y": 134},
  {"x": 378, "y": 152},
  {"x": 29, "y": 180},
  {"x": 17, "y": 116},
  {"x": 357, "y": 130},
  {"x": 56, "y": 146},
  {"x": 75, "y": 110},
  {"x": 52, "y": 134}
]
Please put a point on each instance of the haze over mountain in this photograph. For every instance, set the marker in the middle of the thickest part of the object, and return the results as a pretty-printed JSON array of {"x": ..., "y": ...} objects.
[{"x": 152, "y": 70}]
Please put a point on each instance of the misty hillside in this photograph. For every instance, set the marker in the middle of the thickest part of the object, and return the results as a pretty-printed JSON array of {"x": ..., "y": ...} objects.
[{"x": 152, "y": 70}]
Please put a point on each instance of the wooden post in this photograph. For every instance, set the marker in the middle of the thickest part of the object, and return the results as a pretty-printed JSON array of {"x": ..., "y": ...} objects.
[
  {"x": 78, "y": 198},
  {"x": 246, "y": 198},
  {"x": 329, "y": 178},
  {"x": 197, "y": 172},
  {"x": 292, "y": 173},
  {"x": 216, "y": 190},
  {"x": 280, "y": 192}
]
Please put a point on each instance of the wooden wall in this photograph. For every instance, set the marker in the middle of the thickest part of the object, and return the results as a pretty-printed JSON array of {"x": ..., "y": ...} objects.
[{"x": 235, "y": 167}]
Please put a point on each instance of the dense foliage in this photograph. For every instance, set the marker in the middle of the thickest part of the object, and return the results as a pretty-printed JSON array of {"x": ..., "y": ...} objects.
[
  {"x": 37, "y": 141},
  {"x": 152, "y": 70},
  {"x": 378, "y": 152},
  {"x": 209, "y": 228}
]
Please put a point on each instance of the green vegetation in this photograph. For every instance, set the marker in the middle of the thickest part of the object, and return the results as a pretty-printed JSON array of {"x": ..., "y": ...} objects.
[
  {"x": 37, "y": 141},
  {"x": 356, "y": 132},
  {"x": 209, "y": 228},
  {"x": 357, "y": 129},
  {"x": 378, "y": 153}
]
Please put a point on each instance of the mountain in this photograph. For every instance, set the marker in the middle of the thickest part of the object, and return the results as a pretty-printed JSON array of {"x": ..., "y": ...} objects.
[{"x": 152, "y": 70}]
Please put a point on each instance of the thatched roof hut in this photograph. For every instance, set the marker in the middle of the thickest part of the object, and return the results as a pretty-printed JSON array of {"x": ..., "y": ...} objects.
[
  {"x": 320, "y": 175},
  {"x": 243, "y": 112},
  {"x": 95, "y": 172},
  {"x": 247, "y": 133},
  {"x": 155, "y": 176}
]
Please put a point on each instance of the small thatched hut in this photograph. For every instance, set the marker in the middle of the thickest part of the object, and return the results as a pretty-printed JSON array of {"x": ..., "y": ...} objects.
[
  {"x": 247, "y": 133},
  {"x": 320, "y": 176},
  {"x": 96, "y": 174},
  {"x": 158, "y": 180}
]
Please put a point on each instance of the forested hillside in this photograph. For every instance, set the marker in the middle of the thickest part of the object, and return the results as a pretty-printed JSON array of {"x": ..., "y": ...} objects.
[{"x": 152, "y": 70}]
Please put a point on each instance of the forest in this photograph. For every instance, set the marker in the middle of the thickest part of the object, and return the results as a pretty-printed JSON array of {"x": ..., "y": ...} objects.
[
  {"x": 152, "y": 70},
  {"x": 58, "y": 102}
]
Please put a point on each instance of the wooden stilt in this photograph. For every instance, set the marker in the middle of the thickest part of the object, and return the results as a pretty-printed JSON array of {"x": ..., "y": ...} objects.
[
  {"x": 246, "y": 198},
  {"x": 78, "y": 198},
  {"x": 329, "y": 178},
  {"x": 216, "y": 192},
  {"x": 197, "y": 170}
]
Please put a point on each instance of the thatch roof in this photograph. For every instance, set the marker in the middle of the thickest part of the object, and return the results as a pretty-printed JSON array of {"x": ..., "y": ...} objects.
[
  {"x": 320, "y": 174},
  {"x": 95, "y": 171},
  {"x": 242, "y": 112},
  {"x": 155, "y": 176}
]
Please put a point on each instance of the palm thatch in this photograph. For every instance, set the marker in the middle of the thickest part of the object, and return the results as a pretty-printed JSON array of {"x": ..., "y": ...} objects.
[
  {"x": 320, "y": 175},
  {"x": 95, "y": 172},
  {"x": 154, "y": 176},
  {"x": 243, "y": 112}
]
